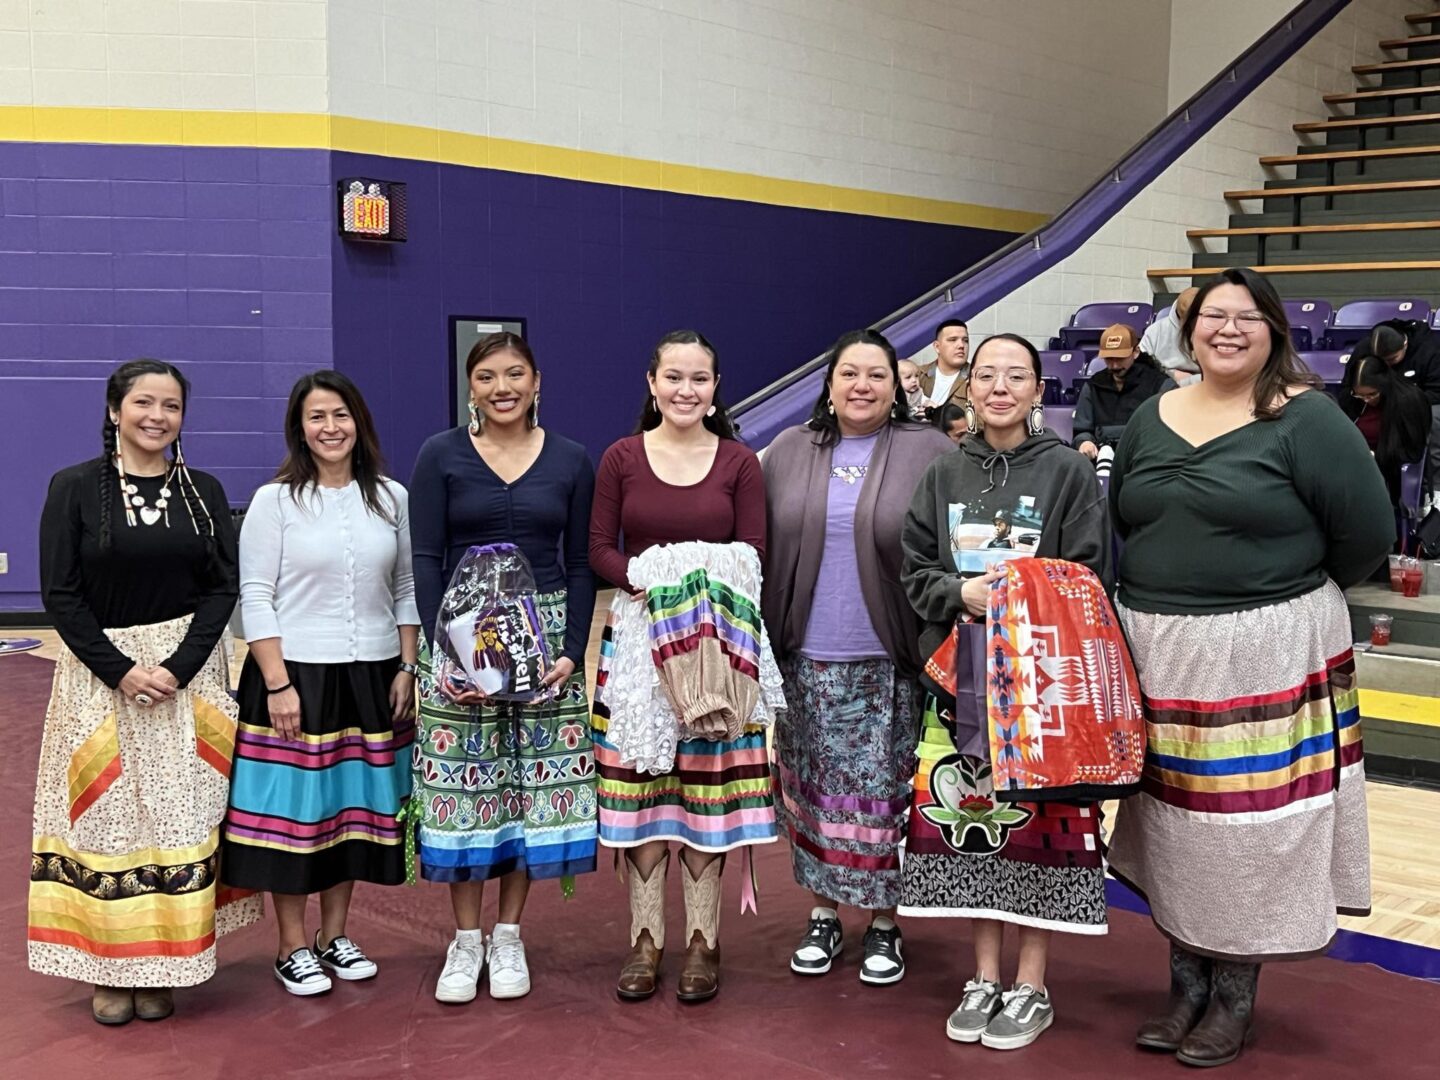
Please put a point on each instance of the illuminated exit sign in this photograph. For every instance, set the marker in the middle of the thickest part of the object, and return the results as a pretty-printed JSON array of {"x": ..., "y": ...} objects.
[{"x": 372, "y": 209}]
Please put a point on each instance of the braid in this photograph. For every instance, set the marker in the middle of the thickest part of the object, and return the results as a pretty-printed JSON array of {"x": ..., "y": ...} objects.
[
  {"x": 107, "y": 483},
  {"x": 199, "y": 512}
]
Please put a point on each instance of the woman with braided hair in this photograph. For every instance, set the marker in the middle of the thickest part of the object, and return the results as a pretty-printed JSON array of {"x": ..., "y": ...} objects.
[{"x": 137, "y": 570}]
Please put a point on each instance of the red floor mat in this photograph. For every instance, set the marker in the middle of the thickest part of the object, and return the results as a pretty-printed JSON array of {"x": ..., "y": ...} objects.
[{"x": 1316, "y": 1019}]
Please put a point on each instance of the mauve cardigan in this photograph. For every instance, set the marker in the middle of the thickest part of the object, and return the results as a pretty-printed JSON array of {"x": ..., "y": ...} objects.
[{"x": 797, "y": 484}]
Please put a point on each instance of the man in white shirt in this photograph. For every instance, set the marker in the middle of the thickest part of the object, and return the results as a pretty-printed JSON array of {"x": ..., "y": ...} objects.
[
  {"x": 947, "y": 379},
  {"x": 1162, "y": 340}
]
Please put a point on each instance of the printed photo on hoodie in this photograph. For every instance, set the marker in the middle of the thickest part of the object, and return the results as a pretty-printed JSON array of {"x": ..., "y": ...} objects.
[{"x": 982, "y": 534}]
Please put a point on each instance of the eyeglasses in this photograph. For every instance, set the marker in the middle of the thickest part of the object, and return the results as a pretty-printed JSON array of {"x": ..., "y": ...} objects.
[
  {"x": 1015, "y": 378},
  {"x": 1247, "y": 322}
]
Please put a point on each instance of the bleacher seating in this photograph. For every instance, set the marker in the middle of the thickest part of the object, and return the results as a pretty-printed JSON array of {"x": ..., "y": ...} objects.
[
  {"x": 1309, "y": 321},
  {"x": 1329, "y": 364},
  {"x": 1353, "y": 320},
  {"x": 1435, "y": 319},
  {"x": 1067, "y": 365},
  {"x": 1086, "y": 324},
  {"x": 1061, "y": 420}
]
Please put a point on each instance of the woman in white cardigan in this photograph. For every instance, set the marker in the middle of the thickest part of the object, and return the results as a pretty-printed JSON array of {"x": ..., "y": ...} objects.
[{"x": 322, "y": 757}]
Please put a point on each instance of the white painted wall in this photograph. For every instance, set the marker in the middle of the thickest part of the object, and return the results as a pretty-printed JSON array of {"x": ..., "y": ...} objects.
[
  {"x": 1011, "y": 105},
  {"x": 233, "y": 55},
  {"x": 1150, "y": 231}
]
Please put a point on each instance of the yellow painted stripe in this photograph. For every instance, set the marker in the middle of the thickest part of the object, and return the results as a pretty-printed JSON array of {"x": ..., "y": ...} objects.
[
  {"x": 1401, "y": 708},
  {"x": 316, "y": 131},
  {"x": 130, "y": 860}
]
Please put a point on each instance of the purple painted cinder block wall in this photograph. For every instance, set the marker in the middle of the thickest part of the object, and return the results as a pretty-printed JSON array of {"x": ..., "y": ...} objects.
[
  {"x": 600, "y": 273},
  {"x": 215, "y": 259}
]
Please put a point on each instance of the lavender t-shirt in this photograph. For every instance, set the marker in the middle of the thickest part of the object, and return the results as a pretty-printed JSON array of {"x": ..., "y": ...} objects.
[{"x": 839, "y": 626}]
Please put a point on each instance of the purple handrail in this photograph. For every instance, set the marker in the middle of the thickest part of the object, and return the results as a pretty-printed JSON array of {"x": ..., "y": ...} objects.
[{"x": 788, "y": 400}]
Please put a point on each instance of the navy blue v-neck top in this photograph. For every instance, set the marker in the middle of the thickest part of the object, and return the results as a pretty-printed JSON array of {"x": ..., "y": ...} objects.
[{"x": 456, "y": 500}]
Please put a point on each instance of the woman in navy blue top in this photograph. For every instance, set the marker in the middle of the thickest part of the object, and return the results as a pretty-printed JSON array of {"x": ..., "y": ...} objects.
[{"x": 504, "y": 790}]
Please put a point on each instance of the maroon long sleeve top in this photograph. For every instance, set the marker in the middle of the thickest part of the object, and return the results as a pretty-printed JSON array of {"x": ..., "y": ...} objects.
[{"x": 631, "y": 501}]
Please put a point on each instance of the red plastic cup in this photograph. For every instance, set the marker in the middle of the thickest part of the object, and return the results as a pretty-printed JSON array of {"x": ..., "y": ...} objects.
[
  {"x": 1412, "y": 577},
  {"x": 1380, "y": 629}
]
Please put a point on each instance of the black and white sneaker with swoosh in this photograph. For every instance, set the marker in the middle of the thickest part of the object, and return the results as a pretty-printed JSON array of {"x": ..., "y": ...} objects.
[
  {"x": 884, "y": 961},
  {"x": 1026, "y": 1013},
  {"x": 820, "y": 945}
]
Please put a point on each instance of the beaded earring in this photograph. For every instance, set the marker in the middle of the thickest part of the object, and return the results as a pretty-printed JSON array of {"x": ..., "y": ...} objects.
[
  {"x": 1035, "y": 420},
  {"x": 475, "y": 422}
]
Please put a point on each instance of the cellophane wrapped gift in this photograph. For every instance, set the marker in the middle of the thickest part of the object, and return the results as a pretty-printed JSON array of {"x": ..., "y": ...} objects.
[{"x": 488, "y": 635}]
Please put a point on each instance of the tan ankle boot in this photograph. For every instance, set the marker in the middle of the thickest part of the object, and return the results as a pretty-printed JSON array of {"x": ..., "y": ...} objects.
[
  {"x": 700, "y": 975},
  {"x": 640, "y": 974},
  {"x": 112, "y": 1005}
]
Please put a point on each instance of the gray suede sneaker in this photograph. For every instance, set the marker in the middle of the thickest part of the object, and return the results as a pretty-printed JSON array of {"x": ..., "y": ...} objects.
[
  {"x": 980, "y": 1003},
  {"x": 1027, "y": 1012}
]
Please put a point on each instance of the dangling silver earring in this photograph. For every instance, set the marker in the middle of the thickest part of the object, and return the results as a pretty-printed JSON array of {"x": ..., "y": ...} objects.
[
  {"x": 1035, "y": 421},
  {"x": 535, "y": 412},
  {"x": 972, "y": 421},
  {"x": 830, "y": 406},
  {"x": 474, "y": 419},
  {"x": 656, "y": 402}
]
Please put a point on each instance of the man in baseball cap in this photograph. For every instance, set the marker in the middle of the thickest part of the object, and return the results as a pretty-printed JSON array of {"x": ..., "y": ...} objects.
[{"x": 1110, "y": 396}]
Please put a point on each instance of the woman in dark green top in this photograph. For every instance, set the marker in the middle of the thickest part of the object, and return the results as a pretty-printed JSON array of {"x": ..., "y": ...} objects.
[{"x": 1247, "y": 502}]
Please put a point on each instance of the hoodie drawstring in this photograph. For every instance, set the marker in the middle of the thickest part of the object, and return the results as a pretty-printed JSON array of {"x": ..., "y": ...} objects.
[{"x": 988, "y": 464}]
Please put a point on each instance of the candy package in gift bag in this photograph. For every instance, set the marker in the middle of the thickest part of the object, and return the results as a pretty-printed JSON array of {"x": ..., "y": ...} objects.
[{"x": 488, "y": 635}]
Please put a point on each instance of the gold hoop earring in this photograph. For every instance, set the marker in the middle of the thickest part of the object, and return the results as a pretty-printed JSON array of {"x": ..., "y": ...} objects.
[{"x": 476, "y": 425}]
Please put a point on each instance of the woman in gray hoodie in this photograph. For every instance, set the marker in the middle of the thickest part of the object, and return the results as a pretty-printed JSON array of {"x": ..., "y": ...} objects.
[{"x": 1013, "y": 490}]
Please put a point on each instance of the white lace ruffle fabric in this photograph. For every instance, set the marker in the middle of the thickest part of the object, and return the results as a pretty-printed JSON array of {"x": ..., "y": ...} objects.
[{"x": 645, "y": 725}]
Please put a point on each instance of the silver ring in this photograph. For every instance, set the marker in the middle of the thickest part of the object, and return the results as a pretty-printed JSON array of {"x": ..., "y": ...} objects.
[{"x": 144, "y": 699}]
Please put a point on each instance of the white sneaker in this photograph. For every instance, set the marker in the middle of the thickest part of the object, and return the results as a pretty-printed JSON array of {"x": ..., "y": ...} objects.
[
  {"x": 464, "y": 960},
  {"x": 509, "y": 974}
]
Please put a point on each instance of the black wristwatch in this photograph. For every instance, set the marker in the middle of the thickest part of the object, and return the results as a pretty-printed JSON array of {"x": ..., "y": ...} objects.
[{"x": 409, "y": 669}]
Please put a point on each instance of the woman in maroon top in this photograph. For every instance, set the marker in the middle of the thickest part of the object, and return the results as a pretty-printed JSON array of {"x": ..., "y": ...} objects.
[{"x": 681, "y": 477}]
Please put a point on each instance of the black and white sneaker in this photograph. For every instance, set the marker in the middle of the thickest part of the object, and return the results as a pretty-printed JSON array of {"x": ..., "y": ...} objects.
[
  {"x": 820, "y": 945},
  {"x": 301, "y": 974},
  {"x": 883, "y": 964},
  {"x": 344, "y": 960}
]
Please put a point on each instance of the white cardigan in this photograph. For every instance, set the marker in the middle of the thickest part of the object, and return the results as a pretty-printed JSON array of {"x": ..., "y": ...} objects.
[{"x": 327, "y": 577}]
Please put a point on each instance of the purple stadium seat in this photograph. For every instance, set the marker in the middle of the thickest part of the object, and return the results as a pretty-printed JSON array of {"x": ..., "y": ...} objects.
[
  {"x": 1329, "y": 364},
  {"x": 1086, "y": 324},
  {"x": 1309, "y": 319},
  {"x": 1061, "y": 420},
  {"x": 1435, "y": 319},
  {"x": 1054, "y": 391},
  {"x": 1067, "y": 365},
  {"x": 1354, "y": 319},
  {"x": 1411, "y": 493}
]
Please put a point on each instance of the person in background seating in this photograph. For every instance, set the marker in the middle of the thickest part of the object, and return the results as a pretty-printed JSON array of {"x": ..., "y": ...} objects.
[
  {"x": 1393, "y": 415},
  {"x": 1247, "y": 505},
  {"x": 1412, "y": 350},
  {"x": 1162, "y": 340},
  {"x": 1110, "y": 397},
  {"x": 950, "y": 419},
  {"x": 946, "y": 380},
  {"x": 915, "y": 400}
]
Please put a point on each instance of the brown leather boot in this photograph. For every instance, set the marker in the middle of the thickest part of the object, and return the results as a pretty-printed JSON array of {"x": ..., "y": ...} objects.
[
  {"x": 1189, "y": 994},
  {"x": 700, "y": 975},
  {"x": 1229, "y": 1021},
  {"x": 154, "y": 1003},
  {"x": 640, "y": 974},
  {"x": 112, "y": 1005}
]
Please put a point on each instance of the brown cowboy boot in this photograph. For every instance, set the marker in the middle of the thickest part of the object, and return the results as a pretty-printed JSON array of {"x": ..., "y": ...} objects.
[
  {"x": 700, "y": 975},
  {"x": 154, "y": 1003},
  {"x": 1189, "y": 994},
  {"x": 1229, "y": 1021},
  {"x": 112, "y": 1005},
  {"x": 640, "y": 974}
]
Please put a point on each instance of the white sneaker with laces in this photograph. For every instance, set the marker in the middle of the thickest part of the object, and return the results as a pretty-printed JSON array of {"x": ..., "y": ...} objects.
[
  {"x": 509, "y": 974},
  {"x": 464, "y": 960}
]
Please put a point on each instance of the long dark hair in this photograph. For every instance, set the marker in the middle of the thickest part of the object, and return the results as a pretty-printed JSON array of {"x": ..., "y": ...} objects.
[
  {"x": 720, "y": 424},
  {"x": 822, "y": 420},
  {"x": 298, "y": 471},
  {"x": 122, "y": 380},
  {"x": 504, "y": 341},
  {"x": 1405, "y": 412},
  {"x": 1283, "y": 367}
]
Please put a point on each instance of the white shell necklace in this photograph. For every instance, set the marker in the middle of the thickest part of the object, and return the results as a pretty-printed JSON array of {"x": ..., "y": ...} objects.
[{"x": 135, "y": 502}]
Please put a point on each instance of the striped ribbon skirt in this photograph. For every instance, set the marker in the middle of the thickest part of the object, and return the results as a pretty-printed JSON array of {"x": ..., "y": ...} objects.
[
  {"x": 717, "y": 797},
  {"x": 1250, "y": 834},
  {"x": 313, "y": 812},
  {"x": 128, "y": 804}
]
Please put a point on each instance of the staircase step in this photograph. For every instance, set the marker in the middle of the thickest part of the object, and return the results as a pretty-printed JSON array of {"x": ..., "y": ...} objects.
[
  {"x": 1388, "y": 66},
  {"x": 1334, "y": 189},
  {"x": 1280, "y": 230},
  {"x": 1417, "y": 619},
  {"x": 1322, "y": 156},
  {"x": 1424, "y": 17},
  {"x": 1359, "y": 96},
  {"x": 1408, "y": 42},
  {"x": 1356, "y": 122},
  {"x": 1299, "y": 268}
]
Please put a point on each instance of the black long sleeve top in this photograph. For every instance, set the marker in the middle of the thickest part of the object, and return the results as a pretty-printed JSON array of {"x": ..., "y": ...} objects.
[{"x": 150, "y": 574}]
